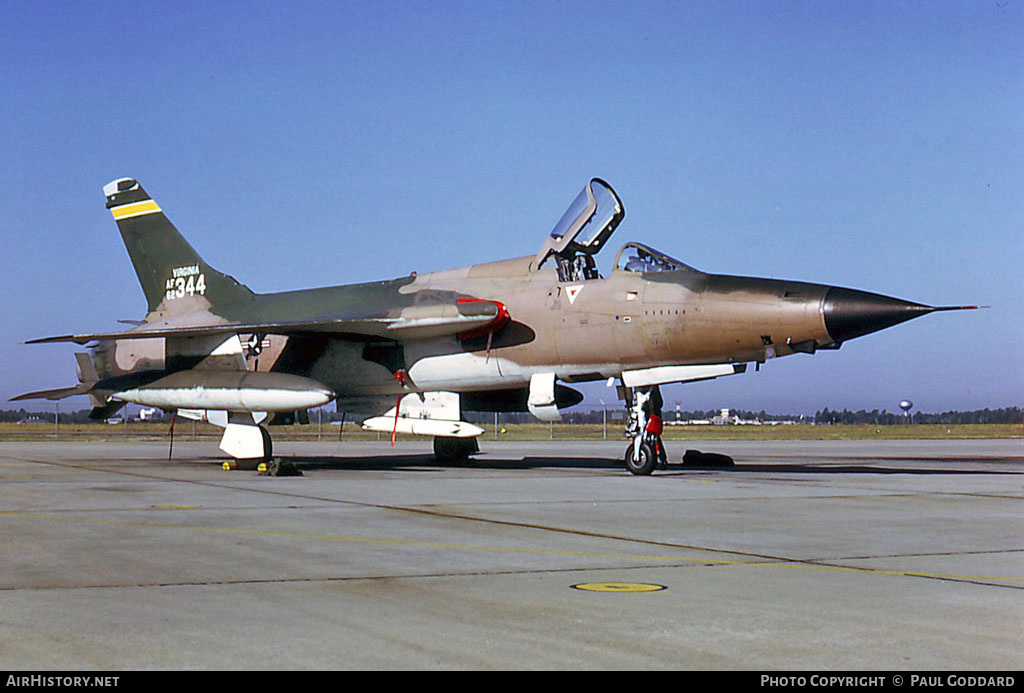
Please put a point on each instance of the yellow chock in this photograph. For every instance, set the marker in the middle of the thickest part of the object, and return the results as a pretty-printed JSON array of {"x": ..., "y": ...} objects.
[
  {"x": 262, "y": 467},
  {"x": 228, "y": 466}
]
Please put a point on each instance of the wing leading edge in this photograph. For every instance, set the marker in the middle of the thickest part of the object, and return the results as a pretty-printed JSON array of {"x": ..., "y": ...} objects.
[{"x": 421, "y": 322}]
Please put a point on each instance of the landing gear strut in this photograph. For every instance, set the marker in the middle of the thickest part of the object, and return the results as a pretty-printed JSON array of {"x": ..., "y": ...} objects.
[
  {"x": 646, "y": 450},
  {"x": 247, "y": 441}
]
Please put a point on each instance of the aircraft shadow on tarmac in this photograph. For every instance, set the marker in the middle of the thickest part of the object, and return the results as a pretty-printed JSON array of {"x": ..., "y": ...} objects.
[
  {"x": 829, "y": 468},
  {"x": 427, "y": 463},
  {"x": 414, "y": 463}
]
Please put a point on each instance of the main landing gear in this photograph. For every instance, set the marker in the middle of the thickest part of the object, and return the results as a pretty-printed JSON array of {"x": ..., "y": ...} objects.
[
  {"x": 451, "y": 449},
  {"x": 247, "y": 441}
]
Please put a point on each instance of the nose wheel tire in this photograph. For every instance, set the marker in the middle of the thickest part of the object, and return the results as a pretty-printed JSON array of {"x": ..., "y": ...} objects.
[{"x": 642, "y": 464}]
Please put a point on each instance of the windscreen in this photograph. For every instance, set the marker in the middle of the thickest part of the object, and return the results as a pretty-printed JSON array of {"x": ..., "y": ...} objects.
[{"x": 635, "y": 257}]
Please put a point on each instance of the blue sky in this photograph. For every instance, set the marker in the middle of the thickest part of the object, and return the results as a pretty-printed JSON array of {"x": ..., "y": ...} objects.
[{"x": 875, "y": 145}]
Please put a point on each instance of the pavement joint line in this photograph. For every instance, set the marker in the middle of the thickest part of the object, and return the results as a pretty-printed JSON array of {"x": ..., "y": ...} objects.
[
  {"x": 792, "y": 564},
  {"x": 436, "y": 513},
  {"x": 339, "y": 578},
  {"x": 353, "y": 539},
  {"x": 433, "y": 511},
  {"x": 767, "y": 560}
]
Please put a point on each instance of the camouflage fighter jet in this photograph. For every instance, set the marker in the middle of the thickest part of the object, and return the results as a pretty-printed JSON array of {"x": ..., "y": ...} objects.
[{"x": 500, "y": 336}]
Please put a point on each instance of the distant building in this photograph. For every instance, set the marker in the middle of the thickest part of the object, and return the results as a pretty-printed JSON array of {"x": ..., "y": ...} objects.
[{"x": 724, "y": 419}]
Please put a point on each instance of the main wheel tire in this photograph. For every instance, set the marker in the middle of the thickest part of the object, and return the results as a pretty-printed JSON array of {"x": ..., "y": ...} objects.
[
  {"x": 448, "y": 449},
  {"x": 642, "y": 465}
]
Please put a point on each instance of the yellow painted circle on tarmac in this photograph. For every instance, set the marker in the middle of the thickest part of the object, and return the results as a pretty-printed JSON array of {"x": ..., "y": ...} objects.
[{"x": 619, "y": 587}]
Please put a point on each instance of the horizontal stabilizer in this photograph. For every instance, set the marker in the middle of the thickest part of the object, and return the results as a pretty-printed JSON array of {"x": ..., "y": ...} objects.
[{"x": 55, "y": 394}]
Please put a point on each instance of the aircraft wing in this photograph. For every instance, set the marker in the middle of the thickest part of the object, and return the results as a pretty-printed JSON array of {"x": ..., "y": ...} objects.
[{"x": 466, "y": 318}]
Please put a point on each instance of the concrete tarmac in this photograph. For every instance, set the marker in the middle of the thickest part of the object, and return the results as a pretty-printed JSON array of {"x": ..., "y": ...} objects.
[{"x": 887, "y": 555}]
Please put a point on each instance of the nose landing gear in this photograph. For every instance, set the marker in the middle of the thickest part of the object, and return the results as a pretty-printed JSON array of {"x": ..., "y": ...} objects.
[
  {"x": 640, "y": 459},
  {"x": 646, "y": 451}
]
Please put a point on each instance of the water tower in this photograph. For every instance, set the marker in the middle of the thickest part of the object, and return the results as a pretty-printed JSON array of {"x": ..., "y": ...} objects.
[{"x": 906, "y": 405}]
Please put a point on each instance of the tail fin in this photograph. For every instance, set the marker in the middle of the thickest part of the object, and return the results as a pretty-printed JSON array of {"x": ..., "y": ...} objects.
[{"x": 174, "y": 278}]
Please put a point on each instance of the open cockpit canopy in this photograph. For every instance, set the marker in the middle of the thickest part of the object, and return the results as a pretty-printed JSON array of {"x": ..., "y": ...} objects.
[
  {"x": 586, "y": 225},
  {"x": 583, "y": 230},
  {"x": 590, "y": 219}
]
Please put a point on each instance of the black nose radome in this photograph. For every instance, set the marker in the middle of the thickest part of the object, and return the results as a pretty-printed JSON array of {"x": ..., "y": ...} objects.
[{"x": 850, "y": 313}]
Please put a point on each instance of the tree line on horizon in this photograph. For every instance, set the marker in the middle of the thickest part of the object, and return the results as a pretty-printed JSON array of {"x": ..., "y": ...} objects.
[{"x": 824, "y": 416}]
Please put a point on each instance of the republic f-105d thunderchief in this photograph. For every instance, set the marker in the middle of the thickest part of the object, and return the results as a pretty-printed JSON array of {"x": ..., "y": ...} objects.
[{"x": 499, "y": 336}]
